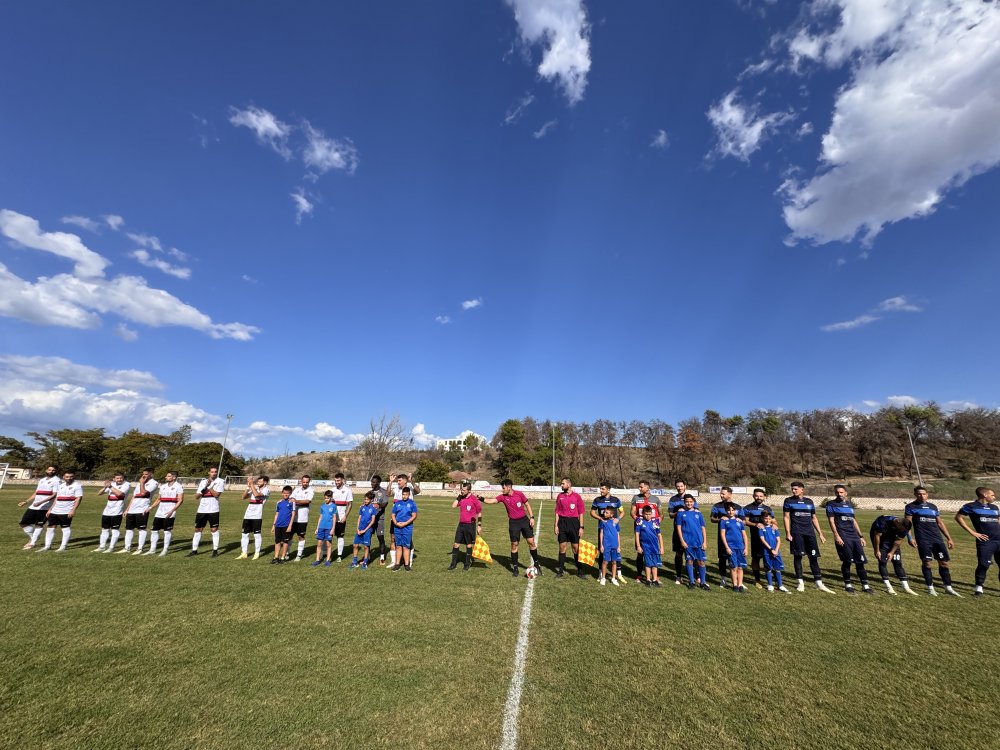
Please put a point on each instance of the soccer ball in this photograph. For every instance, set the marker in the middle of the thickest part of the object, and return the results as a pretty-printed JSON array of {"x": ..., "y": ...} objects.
[{"x": 531, "y": 572}]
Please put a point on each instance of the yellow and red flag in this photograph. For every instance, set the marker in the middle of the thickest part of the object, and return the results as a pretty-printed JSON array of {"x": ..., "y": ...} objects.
[
  {"x": 588, "y": 552},
  {"x": 481, "y": 550}
]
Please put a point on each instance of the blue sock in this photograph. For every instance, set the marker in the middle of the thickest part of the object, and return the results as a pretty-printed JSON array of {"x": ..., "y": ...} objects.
[
  {"x": 777, "y": 574},
  {"x": 701, "y": 574},
  {"x": 770, "y": 579},
  {"x": 690, "y": 568},
  {"x": 354, "y": 559}
]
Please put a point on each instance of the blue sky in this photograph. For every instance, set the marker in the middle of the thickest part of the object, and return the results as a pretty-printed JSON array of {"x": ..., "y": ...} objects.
[{"x": 309, "y": 214}]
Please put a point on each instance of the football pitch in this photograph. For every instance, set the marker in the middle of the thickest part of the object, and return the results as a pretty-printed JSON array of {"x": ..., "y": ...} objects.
[{"x": 116, "y": 651}]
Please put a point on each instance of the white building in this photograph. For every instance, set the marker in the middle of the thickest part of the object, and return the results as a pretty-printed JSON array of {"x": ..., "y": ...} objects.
[{"x": 459, "y": 442}]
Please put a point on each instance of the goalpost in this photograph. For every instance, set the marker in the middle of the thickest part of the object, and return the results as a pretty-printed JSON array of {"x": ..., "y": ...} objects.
[{"x": 3, "y": 473}]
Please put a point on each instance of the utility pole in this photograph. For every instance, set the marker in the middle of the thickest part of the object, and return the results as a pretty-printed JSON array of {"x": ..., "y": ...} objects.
[
  {"x": 913, "y": 450},
  {"x": 229, "y": 421}
]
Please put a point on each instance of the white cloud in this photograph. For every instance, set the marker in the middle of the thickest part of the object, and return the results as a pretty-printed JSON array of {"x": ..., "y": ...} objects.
[
  {"x": 917, "y": 118},
  {"x": 901, "y": 401},
  {"x": 25, "y": 231},
  {"x": 661, "y": 140},
  {"x": 805, "y": 129},
  {"x": 303, "y": 206},
  {"x": 61, "y": 370},
  {"x": 470, "y": 304},
  {"x": 114, "y": 221},
  {"x": 561, "y": 27},
  {"x": 149, "y": 261},
  {"x": 125, "y": 333},
  {"x": 443, "y": 319},
  {"x": 268, "y": 129},
  {"x": 323, "y": 154},
  {"x": 871, "y": 404},
  {"x": 83, "y": 222},
  {"x": 322, "y": 432},
  {"x": 890, "y": 305},
  {"x": 543, "y": 131},
  {"x": 153, "y": 243},
  {"x": 517, "y": 111},
  {"x": 249, "y": 279},
  {"x": 421, "y": 438},
  {"x": 740, "y": 129}
]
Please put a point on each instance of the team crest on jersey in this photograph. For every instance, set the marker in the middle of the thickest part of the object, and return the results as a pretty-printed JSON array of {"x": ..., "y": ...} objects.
[{"x": 572, "y": 506}]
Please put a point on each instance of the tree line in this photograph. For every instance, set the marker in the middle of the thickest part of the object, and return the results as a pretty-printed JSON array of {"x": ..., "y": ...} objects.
[{"x": 760, "y": 447}]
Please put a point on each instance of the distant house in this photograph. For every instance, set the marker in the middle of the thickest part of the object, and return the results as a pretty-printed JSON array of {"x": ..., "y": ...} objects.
[{"x": 462, "y": 442}]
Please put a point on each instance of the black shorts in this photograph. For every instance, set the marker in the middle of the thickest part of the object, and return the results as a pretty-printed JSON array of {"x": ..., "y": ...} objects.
[
  {"x": 465, "y": 533},
  {"x": 883, "y": 550},
  {"x": 252, "y": 525},
  {"x": 164, "y": 524},
  {"x": 804, "y": 545},
  {"x": 339, "y": 528},
  {"x": 569, "y": 529},
  {"x": 675, "y": 541},
  {"x": 33, "y": 517},
  {"x": 756, "y": 545},
  {"x": 518, "y": 527},
  {"x": 392, "y": 527},
  {"x": 136, "y": 521},
  {"x": 201, "y": 520},
  {"x": 299, "y": 528},
  {"x": 111, "y": 522},
  {"x": 988, "y": 552},
  {"x": 933, "y": 550},
  {"x": 851, "y": 551},
  {"x": 62, "y": 521},
  {"x": 282, "y": 535}
]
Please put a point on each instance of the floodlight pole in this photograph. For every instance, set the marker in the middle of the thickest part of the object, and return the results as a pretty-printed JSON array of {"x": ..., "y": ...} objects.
[
  {"x": 229, "y": 421},
  {"x": 913, "y": 450}
]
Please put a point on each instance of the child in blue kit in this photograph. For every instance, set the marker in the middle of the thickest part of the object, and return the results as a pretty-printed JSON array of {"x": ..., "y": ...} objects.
[
  {"x": 734, "y": 539},
  {"x": 649, "y": 543},
  {"x": 609, "y": 544},
  {"x": 367, "y": 515},
  {"x": 691, "y": 530},
  {"x": 284, "y": 515},
  {"x": 324, "y": 531},
  {"x": 770, "y": 537}
]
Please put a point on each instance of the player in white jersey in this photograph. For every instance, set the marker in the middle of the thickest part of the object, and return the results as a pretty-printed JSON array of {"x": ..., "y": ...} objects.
[
  {"x": 170, "y": 499},
  {"x": 343, "y": 498},
  {"x": 67, "y": 500},
  {"x": 33, "y": 520},
  {"x": 114, "y": 511},
  {"x": 137, "y": 512},
  {"x": 302, "y": 498},
  {"x": 255, "y": 495},
  {"x": 209, "y": 492}
]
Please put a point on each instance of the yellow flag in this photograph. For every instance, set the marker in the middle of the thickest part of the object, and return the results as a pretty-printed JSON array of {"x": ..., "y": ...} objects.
[
  {"x": 588, "y": 552},
  {"x": 481, "y": 550}
]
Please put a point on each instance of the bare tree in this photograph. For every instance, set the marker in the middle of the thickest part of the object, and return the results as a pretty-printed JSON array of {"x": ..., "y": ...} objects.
[{"x": 386, "y": 437}]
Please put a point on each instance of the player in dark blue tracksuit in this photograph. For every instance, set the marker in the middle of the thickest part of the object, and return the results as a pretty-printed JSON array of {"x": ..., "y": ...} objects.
[
  {"x": 847, "y": 535},
  {"x": 801, "y": 529},
  {"x": 985, "y": 517},
  {"x": 931, "y": 535},
  {"x": 753, "y": 514},
  {"x": 887, "y": 534}
]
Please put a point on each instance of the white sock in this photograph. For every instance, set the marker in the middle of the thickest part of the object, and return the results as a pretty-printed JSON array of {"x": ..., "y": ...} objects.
[
  {"x": 340, "y": 547},
  {"x": 142, "y": 538},
  {"x": 215, "y": 539},
  {"x": 167, "y": 536},
  {"x": 244, "y": 542},
  {"x": 65, "y": 537},
  {"x": 128, "y": 539},
  {"x": 154, "y": 539},
  {"x": 392, "y": 556},
  {"x": 302, "y": 547},
  {"x": 115, "y": 533},
  {"x": 50, "y": 534},
  {"x": 195, "y": 541},
  {"x": 29, "y": 530},
  {"x": 35, "y": 534},
  {"x": 979, "y": 589},
  {"x": 258, "y": 541},
  {"x": 105, "y": 533}
]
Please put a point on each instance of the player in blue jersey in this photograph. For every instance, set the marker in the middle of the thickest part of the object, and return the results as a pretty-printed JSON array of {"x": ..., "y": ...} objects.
[
  {"x": 284, "y": 518},
  {"x": 674, "y": 506},
  {"x": 716, "y": 515},
  {"x": 734, "y": 539},
  {"x": 985, "y": 516},
  {"x": 753, "y": 516},
  {"x": 324, "y": 530},
  {"x": 649, "y": 544},
  {"x": 933, "y": 540},
  {"x": 367, "y": 515},
  {"x": 887, "y": 534},
  {"x": 847, "y": 536},
  {"x": 690, "y": 525},
  {"x": 609, "y": 542},
  {"x": 404, "y": 513},
  {"x": 606, "y": 500},
  {"x": 770, "y": 540},
  {"x": 801, "y": 529}
]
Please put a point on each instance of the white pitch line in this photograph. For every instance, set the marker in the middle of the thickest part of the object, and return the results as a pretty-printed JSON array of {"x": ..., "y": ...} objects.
[{"x": 511, "y": 711}]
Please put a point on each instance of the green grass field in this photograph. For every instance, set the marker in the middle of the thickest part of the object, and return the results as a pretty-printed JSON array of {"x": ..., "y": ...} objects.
[{"x": 115, "y": 651}]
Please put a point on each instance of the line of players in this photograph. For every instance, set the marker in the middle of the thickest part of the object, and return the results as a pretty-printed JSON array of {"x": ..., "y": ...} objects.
[{"x": 55, "y": 501}]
